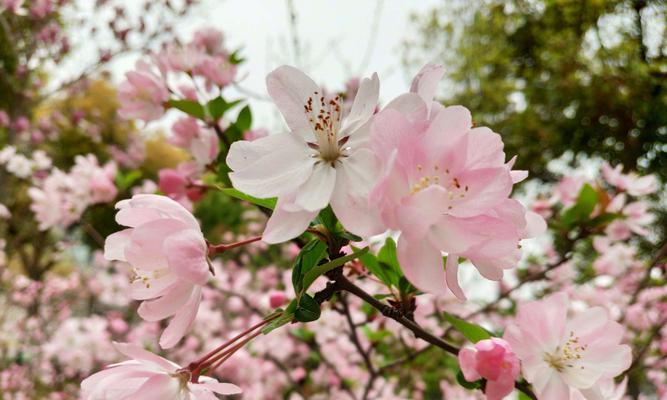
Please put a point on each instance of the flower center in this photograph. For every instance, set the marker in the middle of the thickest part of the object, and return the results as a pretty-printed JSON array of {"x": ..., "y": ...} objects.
[
  {"x": 325, "y": 118},
  {"x": 146, "y": 277},
  {"x": 442, "y": 177},
  {"x": 567, "y": 354}
]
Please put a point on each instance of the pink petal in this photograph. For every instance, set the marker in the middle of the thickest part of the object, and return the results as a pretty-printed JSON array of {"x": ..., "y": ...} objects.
[
  {"x": 168, "y": 304},
  {"x": 115, "y": 244},
  {"x": 411, "y": 105},
  {"x": 426, "y": 81},
  {"x": 158, "y": 387},
  {"x": 145, "y": 357},
  {"x": 451, "y": 275},
  {"x": 422, "y": 264},
  {"x": 468, "y": 363},
  {"x": 154, "y": 287},
  {"x": 182, "y": 321},
  {"x": 146, "y": 243},
  {"x": 222, "y": 388},
  {"x": 186, "y": 253}
]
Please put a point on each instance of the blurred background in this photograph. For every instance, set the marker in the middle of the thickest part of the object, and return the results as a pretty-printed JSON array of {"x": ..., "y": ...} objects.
[{"x": 568, "y": 84}]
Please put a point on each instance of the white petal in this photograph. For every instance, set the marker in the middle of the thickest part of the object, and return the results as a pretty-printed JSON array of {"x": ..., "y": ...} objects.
[
  {"x": 270, "y": 172},
  {"x": 285, "y": 225},
  {"x": 315, "y": 193},
  {"x": 364, "y": 104},
  {"x": 290, "y": 88}
]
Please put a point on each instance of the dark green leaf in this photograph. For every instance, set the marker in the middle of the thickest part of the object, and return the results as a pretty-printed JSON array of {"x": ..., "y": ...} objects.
[
  {"x": 472, "y": 332},
  {"x": 219, "y": 106},
  {"x": 468, "y": 385},
  {"x": 350, "y": 236},
  {"x": 189, "y": 107},
  {"x": 266, "y": 203},
  {"x": 308, "y": 309},
  {"x": 309, "y": 256},
  {"x": 235, "y": 58},
  {"x": 327, "y": 218}
]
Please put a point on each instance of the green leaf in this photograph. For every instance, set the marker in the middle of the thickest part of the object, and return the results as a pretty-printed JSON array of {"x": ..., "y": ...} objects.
[
  {"x": 309, "y": 256},
  {"x": 468, "y": 385},
  {"x": 266, "y": 203},
  {"x": 219, "y": 106},
  {"x": 350, "y": 236},
  {"x": 284, "y": 319},
  {"x": 189, "y": 107},
  {"x": 307, "y": 310},
  {"x": 381, "y": 271},
  {"x": 124, "y": 181},
  {"x": 318, "y": 270},
  {"x": 472, "y": 332},
  {"x": 244, "y": 119},
  {"x": 235, "y": 58},
  {"x": 327, "y": 218},
  {"x": 605, "y": 219},
  {"x": 582, "y": 208},
  {"x": 405, "y": 287}
]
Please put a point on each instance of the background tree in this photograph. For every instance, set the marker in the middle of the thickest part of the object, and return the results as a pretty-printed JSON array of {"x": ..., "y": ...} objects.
[{"x": 557, "y": 75}]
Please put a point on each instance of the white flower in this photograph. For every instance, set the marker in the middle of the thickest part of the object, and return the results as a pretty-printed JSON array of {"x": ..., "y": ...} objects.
[{"x": 323, "y": 160}]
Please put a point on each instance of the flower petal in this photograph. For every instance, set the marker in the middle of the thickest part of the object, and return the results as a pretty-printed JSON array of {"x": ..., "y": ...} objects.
[
  {"x": 182, "y": 321},
  {"x": 286, "y": 224},
  {"x": 186, "y": 253},
  {"x": 264, "y": 171},
  {"x": 364, "y": 104},
  {"x": 147, "y": 358},
  {"x": 168, "y": 304},
  {"x": 452, "y": 276},
  {"x": 115, "y": 244},
  {"x": 422, "y": 264},
  {"x": 290, "y": 89},
  {"x": 315, "y": 193}
]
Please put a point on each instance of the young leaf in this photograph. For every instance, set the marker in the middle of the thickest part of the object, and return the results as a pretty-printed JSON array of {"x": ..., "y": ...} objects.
[
  {"x": 310, "y": 255},
  {"x": 471, "y": 331},
  {"x": 307, "y": 310},
  {"x": 244, "y": 119},
  {"x": 189, "y": 107},
  {"x": 266, "y": 203},
  {"x": 219, "y": 106},
  {"x": 582, "y": 209},
  {"x": 318, "y": 270}
]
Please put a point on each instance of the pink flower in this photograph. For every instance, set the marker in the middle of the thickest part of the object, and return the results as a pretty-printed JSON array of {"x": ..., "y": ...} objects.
[
  {"x": 148, "y": 376},
  {"x": 143, "y": 94},
  {"x": 493, "y": 360},
  {"x": 632, "y": 183},
  {"x": 202, "y": 144},
  {"x": 445, "y": 187},
  {"x": 165, "y": 246},
  {"x": 568, "y": 189},
  {"x": 324, "y": 159},
  {"x": 217, "y": 71},
  {"x": 558, "y": 353},
  {"x": 210, "y": 40}
]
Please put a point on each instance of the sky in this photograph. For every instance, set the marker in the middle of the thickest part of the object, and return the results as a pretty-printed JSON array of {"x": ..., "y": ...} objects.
[{"x": 338, "y": 39}]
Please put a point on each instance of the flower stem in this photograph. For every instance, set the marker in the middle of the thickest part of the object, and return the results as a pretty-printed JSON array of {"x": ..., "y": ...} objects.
[{"x": 214, "y": 249}]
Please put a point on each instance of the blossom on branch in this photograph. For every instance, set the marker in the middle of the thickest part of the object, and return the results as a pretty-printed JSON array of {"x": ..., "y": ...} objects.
[
  {"x": 558, "y": 353},
  {"x": 324, "y": 159},
  {"x": 149, "y": 376},
  {"x": 168, "y": 252},
  {"x": 445, "y": 186}
]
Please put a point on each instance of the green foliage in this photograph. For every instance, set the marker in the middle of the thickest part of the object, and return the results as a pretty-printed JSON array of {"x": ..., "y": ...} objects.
[
  {"x": 587, "y": 199},
  {"x": 190, "y": 107},
  {"x": 265, "y": 203},
  {"x": 472, "y": 332},
  {"x": 309, "y": 256},
  {"x": 217, "y": 107},
  {"x": 552, "y": 76},
  {"x": 309, "y": 275}
]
